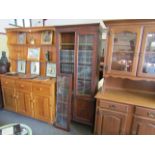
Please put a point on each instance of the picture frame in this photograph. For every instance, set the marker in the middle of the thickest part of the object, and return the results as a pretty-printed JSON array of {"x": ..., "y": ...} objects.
[
  {"x": 35, "y": 68},
  {"x": 51, "y": 70},
  {"x": 46, "y": 37},
  {"x": 21, "y": 38},
  {"x": 21, "y": 66},
  {"x": 33, "y": 54}
]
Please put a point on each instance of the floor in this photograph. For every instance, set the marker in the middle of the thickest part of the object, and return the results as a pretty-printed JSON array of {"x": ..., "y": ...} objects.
[{"x": 41, "y": 128}]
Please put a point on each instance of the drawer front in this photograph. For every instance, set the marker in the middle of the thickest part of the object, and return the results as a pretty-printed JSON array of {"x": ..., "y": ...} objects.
[
  {"x": 8, "y": 82},
  {"x": 41, "y": 89},
  {"x": 24, "y": 86},
  {"x": 145, "y": 112},
  {"x": 113, "y": 106}
]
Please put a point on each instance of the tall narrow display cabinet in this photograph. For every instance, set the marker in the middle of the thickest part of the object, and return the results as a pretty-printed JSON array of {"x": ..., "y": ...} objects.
[{"x": 77, "y": 54}]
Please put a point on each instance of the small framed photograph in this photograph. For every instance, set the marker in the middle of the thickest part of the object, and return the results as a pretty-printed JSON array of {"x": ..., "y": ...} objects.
[
  {"x": 35, "y": 68},
  {"x": 21, "y": 38},
  {"x": 46, "y": 37},
  {"x": 51, "y": 70},
  {"x": 34, "y": 54},
  {"x": 21, "y": 66}
]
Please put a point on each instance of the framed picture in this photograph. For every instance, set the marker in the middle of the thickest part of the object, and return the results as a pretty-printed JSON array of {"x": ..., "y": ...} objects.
[
  {"x": 51, "y": 70},
  {"x": 21, "y": 66},
  {"x": 34, "y": 54},
  {"x": 46, "y": 37},
  {"x": 21, "y": 38},
  {"x": 35, "y": 68}
]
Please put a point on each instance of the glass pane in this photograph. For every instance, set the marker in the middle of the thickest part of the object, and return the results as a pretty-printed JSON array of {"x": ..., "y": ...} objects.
[
  {"x": 149, "y": 61},
  {"x": 123, "y": 51},
  {"x": 63, "y": 101},
  {"x": 85, "y": 64},
  {"x": 67, "y": 61}
]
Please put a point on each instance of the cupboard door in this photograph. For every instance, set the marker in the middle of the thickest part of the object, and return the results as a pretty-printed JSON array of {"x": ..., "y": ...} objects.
[
  {"x": 24, "y": 105},
  {"x": 9, "y": 99},
  {"x": 109, "y": 123},
  {"x": 83, "y": 111},
  {"x": 42, "y": 108},
  {"x": 86, "y": 64},
  {"x": 123, "y": 50},
  {"x": 143, "y": 126},
  {"x": 147, "y": 59}
]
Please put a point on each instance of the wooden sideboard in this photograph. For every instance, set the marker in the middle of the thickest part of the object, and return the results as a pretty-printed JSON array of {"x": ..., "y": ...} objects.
[
  {"x": 126, "y": 104},
  {"x": 34, "y": 98},
  {"x": 125, "y": 112}
]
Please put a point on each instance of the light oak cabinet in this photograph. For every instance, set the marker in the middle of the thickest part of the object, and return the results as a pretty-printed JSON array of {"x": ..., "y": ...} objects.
[
  {"x": 144, "y": 121},
  {"x": 24, "y": 98},
  {"x": 123, "y": 50},
  {"x": 130, "y": 49},
  {"x": 31, "y": 98},
  {"x": 42, "y": 107},
  {"x": 9, "y": 96},
  {"x": 113, "y": 118}
]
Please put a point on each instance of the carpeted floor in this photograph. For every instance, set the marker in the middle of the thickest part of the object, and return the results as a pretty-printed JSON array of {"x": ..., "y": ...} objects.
[{"x": 41, "y": 128}]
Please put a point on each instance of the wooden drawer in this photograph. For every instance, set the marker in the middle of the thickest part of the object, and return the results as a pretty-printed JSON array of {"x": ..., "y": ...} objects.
[
  {"x": 24, "y": 86},
  {"x": 41, "y": 89},
  {"x": 8, "y": 82},
  {"x": 145, "y": 112},
  {"x": 113, "y": 106}
]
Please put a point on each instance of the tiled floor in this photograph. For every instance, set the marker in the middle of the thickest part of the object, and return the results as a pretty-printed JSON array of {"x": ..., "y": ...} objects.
[{"x": 41, "y": 128}]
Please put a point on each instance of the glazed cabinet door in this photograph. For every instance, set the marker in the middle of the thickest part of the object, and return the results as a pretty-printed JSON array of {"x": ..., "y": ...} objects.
[
  {"x": 85, "y": 77},
  {"x": 24, "y": 105},
  {"x": 42, "y": 107},
  {"x": 109, "y": 123},
  {"x": 143, "y": 126},
  {"x": 86, "y": 64},
  {"x": 9, "y": 99},
  {"x": 123, "y": 50},
  {"x": 147, "y": 58}
]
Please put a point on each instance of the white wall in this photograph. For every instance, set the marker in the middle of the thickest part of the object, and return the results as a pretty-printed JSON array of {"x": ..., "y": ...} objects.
[
  {"x": 57, "y": 22},
  {"x": 4, "y": 23}
]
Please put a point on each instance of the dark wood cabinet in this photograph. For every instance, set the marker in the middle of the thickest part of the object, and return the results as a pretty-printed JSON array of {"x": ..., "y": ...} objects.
[
  {"x": 77, "y": 55},
  {"x": 113, "y": 118}
]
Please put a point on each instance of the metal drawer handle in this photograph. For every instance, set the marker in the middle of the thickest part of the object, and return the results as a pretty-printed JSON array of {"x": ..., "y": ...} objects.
[{"x": 151, "y": 115}]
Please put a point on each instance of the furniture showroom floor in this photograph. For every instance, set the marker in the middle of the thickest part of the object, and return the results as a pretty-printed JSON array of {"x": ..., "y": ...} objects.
[{"x": 41, "y": 128}]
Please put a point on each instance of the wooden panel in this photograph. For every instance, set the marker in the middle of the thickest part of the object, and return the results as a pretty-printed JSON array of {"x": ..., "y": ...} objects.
[
  {"x": 83, "y": 111},
  {"x": 113, "y": 106},
  {"x": 41, "y": 89},
  {"x": 143, "y": 127},
  {"x": 110, "y": 123},
  {"x": 24, "y": 105},
  {"x": 145, "y": 112},
  {"x": 9, "y": 99},
  {"x": 8, "y": 82},
  {"x": 24, "y": 86},
  {"x": 41, "y": 106}
]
